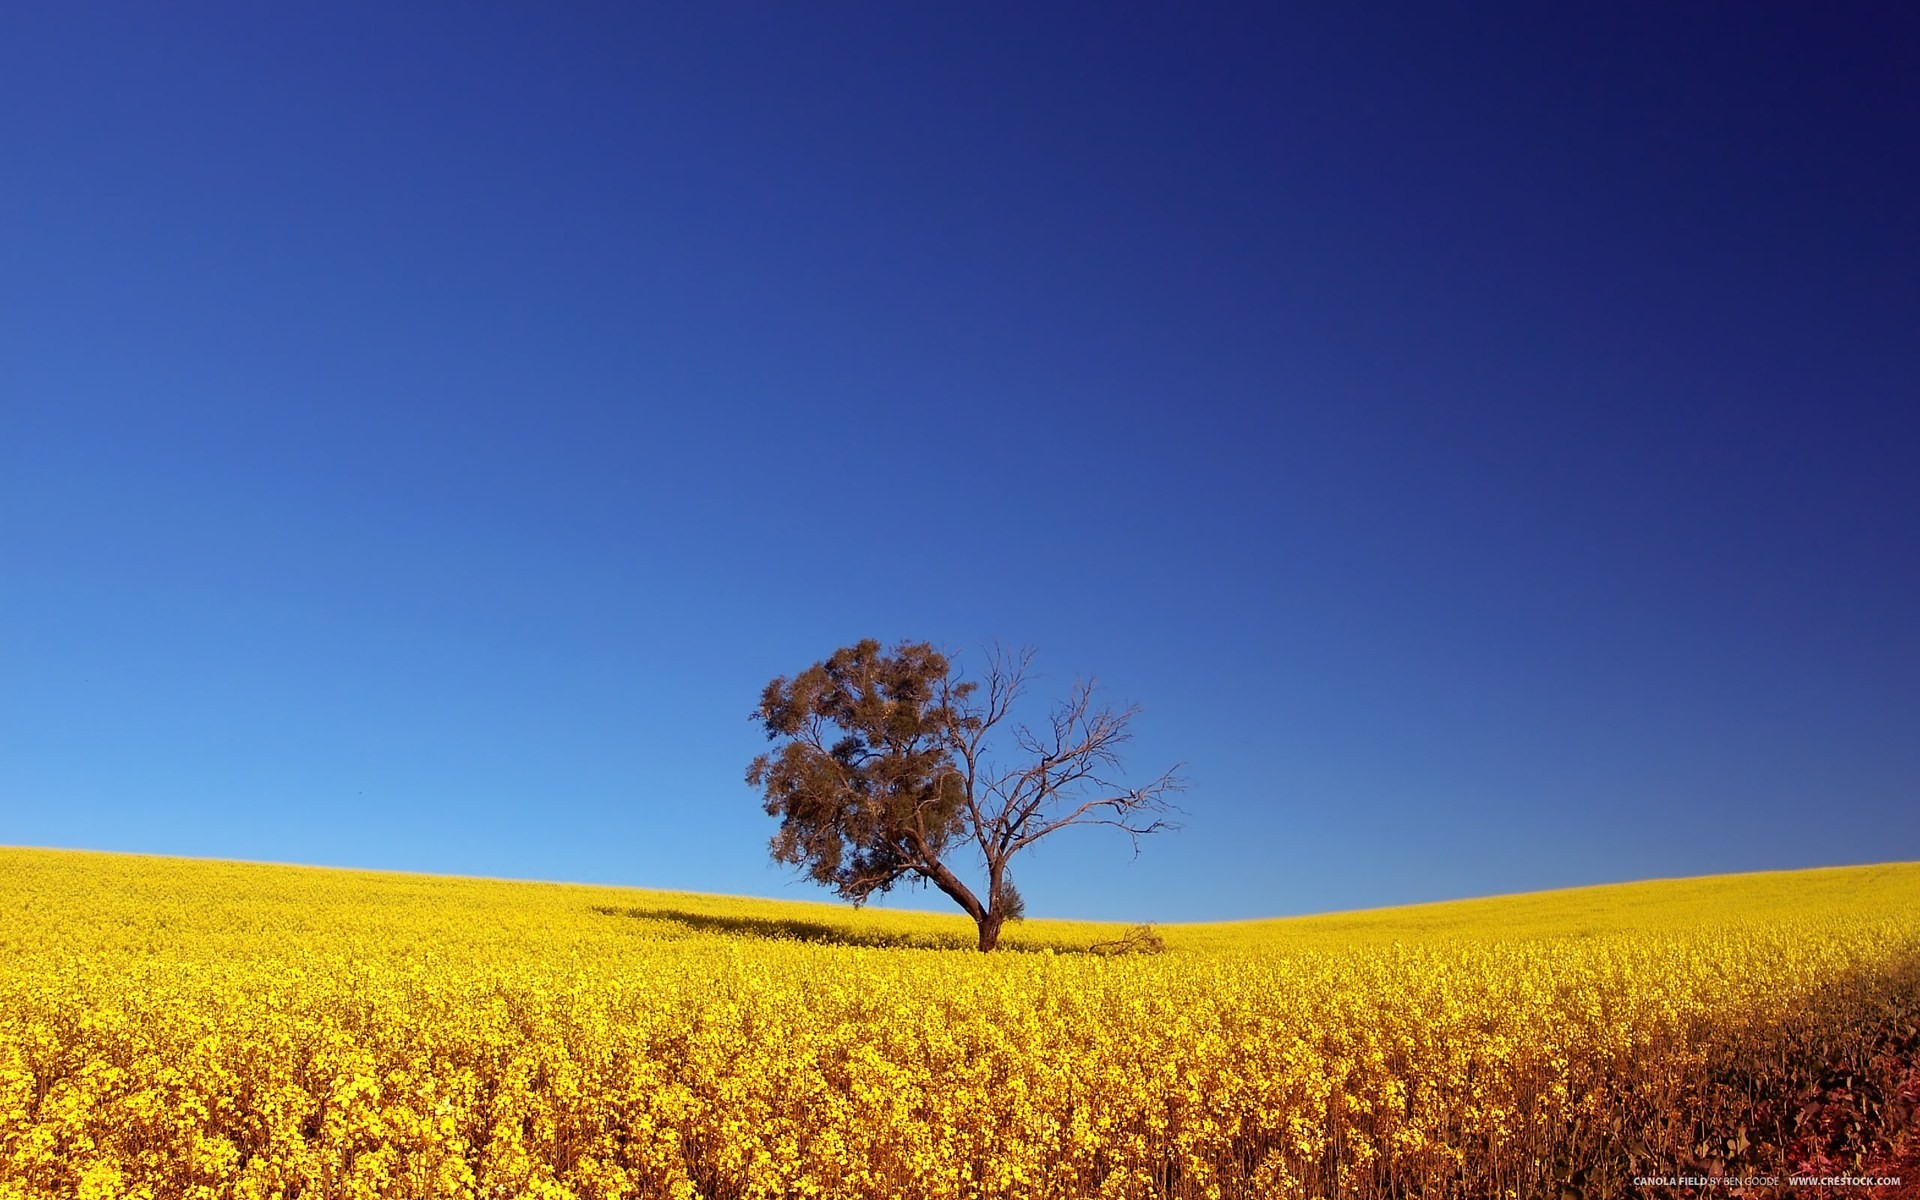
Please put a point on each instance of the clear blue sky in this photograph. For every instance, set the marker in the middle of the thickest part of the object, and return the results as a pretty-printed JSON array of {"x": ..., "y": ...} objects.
[{"x": 1483, "y": 438}]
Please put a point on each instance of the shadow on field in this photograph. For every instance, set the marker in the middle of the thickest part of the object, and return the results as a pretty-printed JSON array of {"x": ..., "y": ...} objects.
[
  {"x": 788, "y": 930},
  {"x": 818, "y": 932}
]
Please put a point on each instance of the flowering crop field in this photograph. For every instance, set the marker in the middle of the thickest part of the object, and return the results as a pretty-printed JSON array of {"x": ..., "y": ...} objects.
[{"x": 187, "y": 1029}]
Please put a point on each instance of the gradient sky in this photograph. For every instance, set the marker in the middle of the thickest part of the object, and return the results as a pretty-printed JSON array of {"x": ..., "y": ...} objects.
[{"x": 1483, "y": 438}]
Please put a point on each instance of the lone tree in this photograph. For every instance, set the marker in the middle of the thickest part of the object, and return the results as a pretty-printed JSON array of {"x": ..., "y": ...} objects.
[{"x": 884, "y": 774}]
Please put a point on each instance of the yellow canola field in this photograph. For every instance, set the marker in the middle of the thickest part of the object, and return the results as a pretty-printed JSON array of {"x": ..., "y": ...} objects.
[{"x": 186, "y": 1029}]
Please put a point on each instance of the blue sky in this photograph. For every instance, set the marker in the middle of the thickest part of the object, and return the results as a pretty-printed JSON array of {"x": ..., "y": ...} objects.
[{"x": 1482, "y": 440}]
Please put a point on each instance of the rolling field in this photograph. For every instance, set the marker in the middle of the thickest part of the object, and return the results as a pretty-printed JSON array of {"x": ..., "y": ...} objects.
[{"x": 186, "y": 1029}]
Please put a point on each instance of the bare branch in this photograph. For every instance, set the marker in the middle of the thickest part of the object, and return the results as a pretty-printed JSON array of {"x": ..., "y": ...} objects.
[
  {"x": 1128, "y": 812},
  {"x": 1078, "y": 747}
]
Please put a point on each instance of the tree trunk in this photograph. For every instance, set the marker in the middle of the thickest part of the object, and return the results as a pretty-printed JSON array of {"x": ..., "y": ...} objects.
[
  {"x": 958, "y": 892},
  {"x": 989, "y": 923}
]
